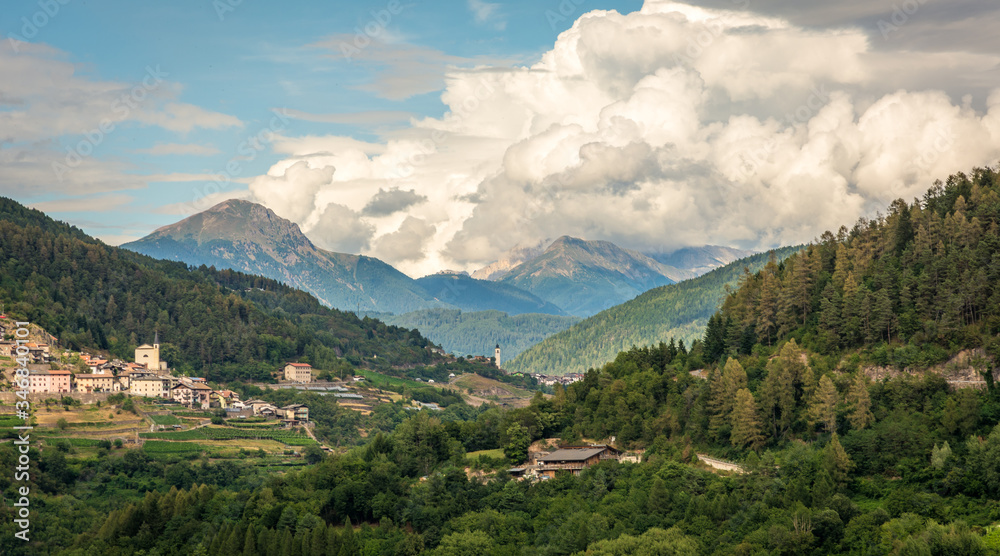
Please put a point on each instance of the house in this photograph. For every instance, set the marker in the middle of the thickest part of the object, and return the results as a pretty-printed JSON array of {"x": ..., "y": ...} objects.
[
  {"x": 575, "y": 459},
  {"x": 96, "y": 365},
  {"x": 297, "y": 412},
  {"x": 260, "y": 407},
  {"x": 298, "y": 372},
  {"x": 191, "y": 393},
  {"x": 38, "y": 352},
  {"x": 97, "y": 382},
  {"x": 49, "y": 382},
  {"x": 149, "y": 386},
  {"x": 225, "y": 398},
  {"x": 358, "y": 378}
]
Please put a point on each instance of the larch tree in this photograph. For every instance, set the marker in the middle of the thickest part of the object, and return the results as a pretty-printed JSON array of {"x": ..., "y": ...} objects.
[
  {"x": 860, "y": 415},
  {"x": 746, "y": 424},
  {"x": 823, "y": 409}
]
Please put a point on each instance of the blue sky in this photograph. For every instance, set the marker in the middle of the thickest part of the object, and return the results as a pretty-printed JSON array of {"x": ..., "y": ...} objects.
[
  {"x": 245, "y": 59},
  {"x": 439, "y": 135}
]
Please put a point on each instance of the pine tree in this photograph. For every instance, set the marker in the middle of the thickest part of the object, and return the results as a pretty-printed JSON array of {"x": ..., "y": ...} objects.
[
  {"x": 250, "y": 542},
  {"x": 823, "y": 409},
  {"x": 860, "y": 402},
  {"x": 348, "y": 544},
  {"x": 317, "y": 544},
  {"x": 767, "y": 316},
  {"x": 778, "y": 391},
  {"x": 746, "y": 424},
  {"x": 836, "y": 462}
]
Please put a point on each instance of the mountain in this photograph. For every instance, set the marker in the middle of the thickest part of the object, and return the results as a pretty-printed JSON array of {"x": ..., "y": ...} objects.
[
  {"x": 220, "y": 323},
  {"x": 519, "y": 254},
  {"x": 678, "y": 311},
  {"x": 584, "y": 277},
  {"x": 477, "y": 333},
  {"x": 699, "y": 260},
  {"x": 469, "y": 294},
  {"x": 251, "y": 238}
]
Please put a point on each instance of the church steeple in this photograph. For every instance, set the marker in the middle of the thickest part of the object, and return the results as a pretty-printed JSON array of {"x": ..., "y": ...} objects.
[
  {"x": 156, "y": 339},
  {"x": 496, "y": 355}
]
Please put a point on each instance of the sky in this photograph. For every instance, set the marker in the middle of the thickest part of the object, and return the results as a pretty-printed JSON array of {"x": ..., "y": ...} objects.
[{"x": 440, "y": 135}]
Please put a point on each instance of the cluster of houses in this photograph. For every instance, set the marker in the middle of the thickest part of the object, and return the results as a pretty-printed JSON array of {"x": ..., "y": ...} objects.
[
  {"x": 37, "y": 352},
  {"x": 149, "y": 376},
  {"x": 552, "y": 380},
  {"x": 290, "y": 414}
]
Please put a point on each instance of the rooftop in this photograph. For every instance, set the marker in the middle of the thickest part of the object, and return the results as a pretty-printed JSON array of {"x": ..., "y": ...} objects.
[{"x": 572, "y": 454}]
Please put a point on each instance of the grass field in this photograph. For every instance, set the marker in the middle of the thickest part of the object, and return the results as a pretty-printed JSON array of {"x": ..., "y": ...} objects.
[
  {"x": 487, "y": 389},
  {"x": 377, "y": 380},
  {"x": 495, "y": 454},
  {"x": 165, "y": 420}
]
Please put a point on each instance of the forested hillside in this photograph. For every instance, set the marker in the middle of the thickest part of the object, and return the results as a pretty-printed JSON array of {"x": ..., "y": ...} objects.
[
  {"x": 223, "y": 324},
  {"x": 677, "y": 311},
  {"x": 478, "y": 332},
  {"x": 470, "y": 294},
  {"x": 912, "y": 287}
]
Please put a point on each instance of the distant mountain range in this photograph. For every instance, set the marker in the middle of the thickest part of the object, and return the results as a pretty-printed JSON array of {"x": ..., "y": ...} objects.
[
  {"x": 678, "y": 311},
  {"x": 461, "y": 290},
  {"x": 251, "y": 238},
  {"x": 585, "y": 277},
  {"x": 536, "y": 281}
]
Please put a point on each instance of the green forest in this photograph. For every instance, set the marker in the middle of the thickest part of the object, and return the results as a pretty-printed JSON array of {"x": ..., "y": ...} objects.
[
  {"x": 678, "y": 311},
  {"x": 220, "y": 323},
  {"x": 835, "y": 461},
  {"x": 477, "y": 333}
]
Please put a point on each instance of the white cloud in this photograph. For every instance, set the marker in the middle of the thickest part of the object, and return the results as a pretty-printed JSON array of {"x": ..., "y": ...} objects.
[
  {"x": 55, "y": 122},
  {"x": 342, "y": 230},
  {"x": 487, "y": 13},
  {"x": 667, "y": 127},
  {"x": 407, "y": 243},
  {"x": 165, "y": 149}
]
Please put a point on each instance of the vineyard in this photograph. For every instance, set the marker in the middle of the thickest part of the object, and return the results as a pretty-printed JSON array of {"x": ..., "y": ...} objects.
[
  {"x": 285, "y": 436},
  {"x": 161, "y": 447},
  {"x": 75, "y": 442}
]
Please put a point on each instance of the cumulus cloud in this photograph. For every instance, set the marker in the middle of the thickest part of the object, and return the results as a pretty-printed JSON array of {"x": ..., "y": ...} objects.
[
  {"x": 342, "y": 230},
  {"x": 292, "y": 193},
  {"x": 671, "y": 126},
  {"x": 407, "y": 243},
  {"x": 392, "y": 201}
]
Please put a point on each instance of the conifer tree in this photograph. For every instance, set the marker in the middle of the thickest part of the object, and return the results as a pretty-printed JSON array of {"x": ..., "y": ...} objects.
[
  {"x": 250, "y": 542},
  {"x": 836, "y": 461},
  {"x": 823, "y": 409},
  {"x": 860, "y": 403},
  {"x": 746, "y": 424}
]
